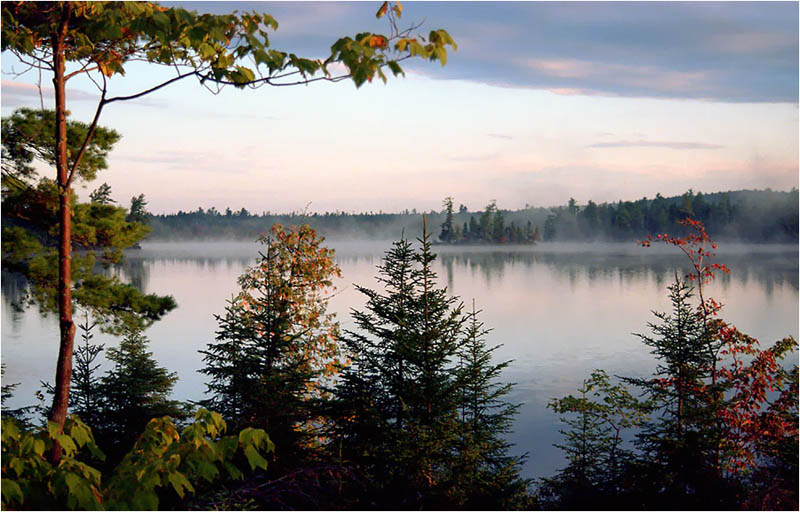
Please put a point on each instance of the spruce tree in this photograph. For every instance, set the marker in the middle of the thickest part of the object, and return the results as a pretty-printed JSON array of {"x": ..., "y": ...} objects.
[
  {"x": 399, "y": 397},
  {"x": 447, "y": 234},
  {"x": 276, "y": 348},
  {"x": 135, "y": 390},
  {"x": 406, "y": 415},
  {"x": 680, "y": 443},
  {"x": 86, "y": 398},
  {"x": 487, "y": 476}
]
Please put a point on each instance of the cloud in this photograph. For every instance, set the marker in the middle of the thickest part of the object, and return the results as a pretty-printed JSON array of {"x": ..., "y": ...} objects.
[
  {"x": 572, "y": 91},
  {"x": 654, "y": 144},
  {"x": 733, "y": 52},
  {"x": 22, "y": 93},
  {"x": 607, "y": 75},
  {"x": 500, "y": 136},
  {"x": 750, "y": 42}
]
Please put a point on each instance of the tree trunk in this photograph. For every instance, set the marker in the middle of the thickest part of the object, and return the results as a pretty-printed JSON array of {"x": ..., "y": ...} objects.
[{"x": 58, "y": 412}]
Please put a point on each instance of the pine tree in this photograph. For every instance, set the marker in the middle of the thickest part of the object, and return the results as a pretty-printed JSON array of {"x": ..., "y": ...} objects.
[
  {"x": 399, "y": 397},
  {"x": 101, "y": 195},
  {"x": 448, "y": 232}
]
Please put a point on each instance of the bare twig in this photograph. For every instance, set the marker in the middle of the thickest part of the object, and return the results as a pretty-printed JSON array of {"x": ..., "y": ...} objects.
[
  {"x": 89, "y": 135},
  {"x": 152, "y": 89}
]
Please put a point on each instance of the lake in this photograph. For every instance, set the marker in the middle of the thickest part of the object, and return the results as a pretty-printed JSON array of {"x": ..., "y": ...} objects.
[{"x": 559, "y": 310}]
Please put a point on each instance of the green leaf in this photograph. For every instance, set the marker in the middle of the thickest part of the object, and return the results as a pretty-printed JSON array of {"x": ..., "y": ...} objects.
[
  {"x": 18, "y": 465},
  {"x": 232, "y": 470},
  {"x": 96, "y": 452},
  {"x": 254, "y": 458},
  {"x": 396, "y": 69},
  {"x": 10, "y": 427},
  {"x": 81, "y": 433},
  {"x": 53, "y": 428},
  {"x": 39, "y": 447},
  {"x": 11, "y": 492},
  {"x": 417, "y": 49},
  {"x": 67, "y": 444},
  {"x": 207, "y": 471},
  {"x": 179, "y": 483},
  {"x": 206, "y": 51},
  {"x": 441, "y": 54},
  {"x": 161, "y": 19},
  {"x": 80, "y": 492}
]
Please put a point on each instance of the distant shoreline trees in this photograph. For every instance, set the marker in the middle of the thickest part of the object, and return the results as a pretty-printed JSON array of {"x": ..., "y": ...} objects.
[{"x": 742, "y": 215}]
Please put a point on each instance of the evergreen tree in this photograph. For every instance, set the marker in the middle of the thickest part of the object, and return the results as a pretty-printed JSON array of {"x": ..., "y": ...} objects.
[
  {"x": 101, "y": 195},
  {"x": 448, "y": 233},
  {"x": 486, "y": 476},
  {"x": 550, "y": 228},
  {"x": 275, "y": 348},
  {"x": 474, "y": 229},
  {"x": 403, "y": 416},
  {"x": 498, "y": 227},
  {"x": 6, "y": 393},
  {"x": 86, "y": 395},
  {"x": 593, "y": 445},
  {"x": 399, "y": 397},
  {"x": 680, "y": 445},
  {"x": 138, "y": 211},
  {"x": 485, "y": 225},
  {"x": 135, "y": 390}
]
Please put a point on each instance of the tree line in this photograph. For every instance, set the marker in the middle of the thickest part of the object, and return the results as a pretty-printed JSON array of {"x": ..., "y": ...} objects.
[{"x": 745, "y": 215}]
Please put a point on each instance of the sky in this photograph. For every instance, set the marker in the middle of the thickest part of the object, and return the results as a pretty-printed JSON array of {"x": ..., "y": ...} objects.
[{"x": 541, "y": 102}]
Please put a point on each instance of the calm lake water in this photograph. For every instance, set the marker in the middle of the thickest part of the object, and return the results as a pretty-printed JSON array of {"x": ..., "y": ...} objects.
[{"x": 559, "y": 310}]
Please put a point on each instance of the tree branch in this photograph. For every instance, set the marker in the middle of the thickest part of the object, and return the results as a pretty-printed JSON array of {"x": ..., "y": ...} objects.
[
  {"x": 152, "y": 89},
  {"x": 89, "y": 135},
  {"x": 84, "y": 69}
]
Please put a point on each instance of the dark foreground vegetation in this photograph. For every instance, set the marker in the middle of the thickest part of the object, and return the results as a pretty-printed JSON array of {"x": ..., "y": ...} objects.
[{"x": 738, "y": 215}]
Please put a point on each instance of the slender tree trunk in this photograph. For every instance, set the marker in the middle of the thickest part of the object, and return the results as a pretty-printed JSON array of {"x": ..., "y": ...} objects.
[{"x": 58, "y": 412}]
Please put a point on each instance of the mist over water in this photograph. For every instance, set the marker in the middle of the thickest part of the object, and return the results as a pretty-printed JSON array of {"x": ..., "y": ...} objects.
[{"x": 559, "y": 310}]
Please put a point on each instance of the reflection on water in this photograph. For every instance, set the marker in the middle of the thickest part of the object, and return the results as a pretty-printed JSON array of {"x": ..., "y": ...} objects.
[{"x": 559, "y": 311}]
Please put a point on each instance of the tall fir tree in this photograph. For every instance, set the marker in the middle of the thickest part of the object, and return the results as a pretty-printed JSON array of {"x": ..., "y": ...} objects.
[
  {"x": 487, "y": 476},
  {"x": 681, "y": 440},
  {"x": 276, "y": 346},
  {"x": 403, "y": 416}
]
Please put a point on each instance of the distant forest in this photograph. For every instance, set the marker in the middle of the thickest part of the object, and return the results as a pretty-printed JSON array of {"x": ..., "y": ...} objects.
[{"x": 746, "y": 215}]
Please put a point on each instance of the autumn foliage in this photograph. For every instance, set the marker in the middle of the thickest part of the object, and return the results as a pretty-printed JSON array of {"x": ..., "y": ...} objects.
[
  {"x": 276, "y": 348},
  {"x": 723, "y": 425}
]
